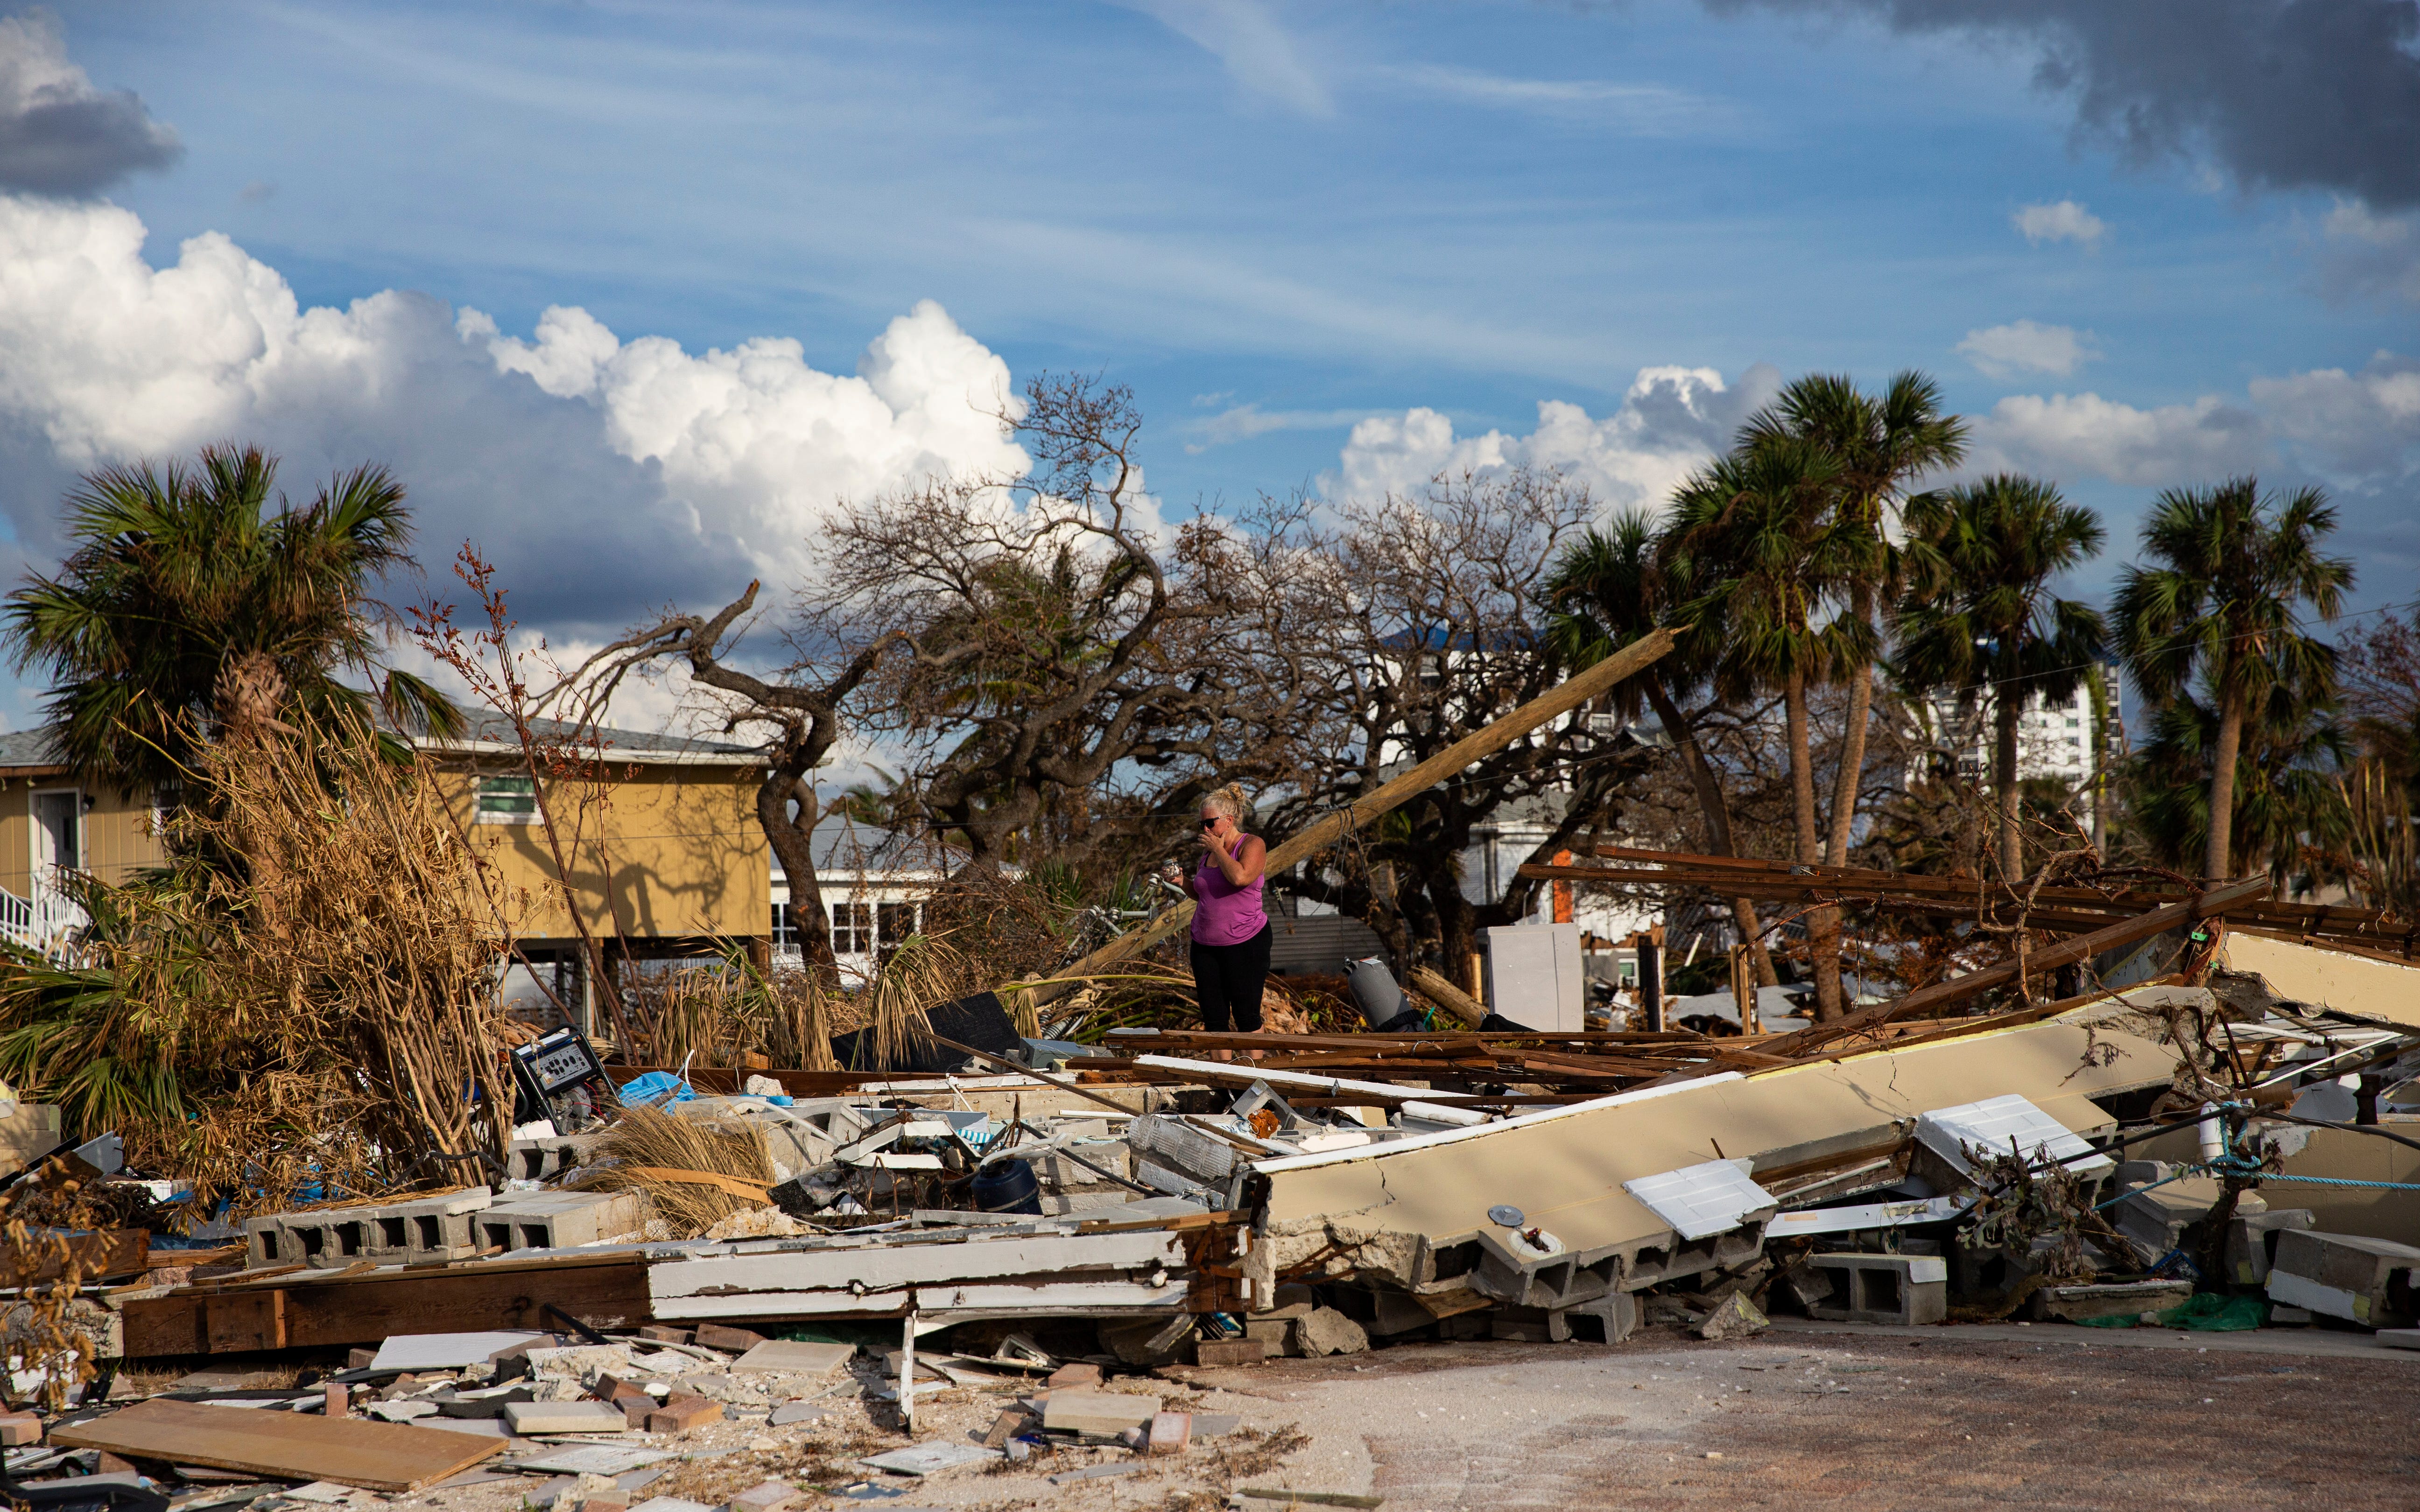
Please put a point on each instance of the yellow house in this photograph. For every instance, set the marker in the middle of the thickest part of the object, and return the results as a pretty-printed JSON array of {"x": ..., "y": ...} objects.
[
  {"x": 659, "y": 835},
  {"x": 662, "y": 843},
  {"x": 51, "y": 823}
]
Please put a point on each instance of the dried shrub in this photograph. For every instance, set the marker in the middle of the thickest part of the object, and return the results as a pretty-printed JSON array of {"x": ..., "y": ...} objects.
[{"x": 304, "y": 996}]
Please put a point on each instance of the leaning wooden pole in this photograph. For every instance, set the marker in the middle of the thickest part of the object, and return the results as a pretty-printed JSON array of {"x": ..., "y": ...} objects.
[{"x": 1330, "y": 829}]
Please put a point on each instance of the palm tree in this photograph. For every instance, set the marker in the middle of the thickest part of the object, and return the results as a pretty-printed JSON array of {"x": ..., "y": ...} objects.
[
  {"x": 188, "y": 610},
  {"x": 1753, "y": 535},
  {"x": 1607, "y": 590},
  {"x": 2229, "y": 568},
  {"x": 1881, "y": 444},
  {"x": 1979, "y": 611},
  {"x": 2288, "y": 804}
]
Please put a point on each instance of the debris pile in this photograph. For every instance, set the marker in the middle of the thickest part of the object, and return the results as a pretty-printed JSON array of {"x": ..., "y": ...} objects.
[{"x": 2212, "y": 1145}]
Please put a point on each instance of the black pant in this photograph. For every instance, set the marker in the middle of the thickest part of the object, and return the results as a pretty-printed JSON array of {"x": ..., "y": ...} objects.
[{"x": 1229, "y": 980}]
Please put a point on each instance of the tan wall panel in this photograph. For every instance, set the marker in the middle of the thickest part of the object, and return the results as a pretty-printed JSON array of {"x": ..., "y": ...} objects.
[
  {"x": 2314, "y": 974},
  {"x": 1566, "y": 1173},
  {"x": 680, "y": 844}
]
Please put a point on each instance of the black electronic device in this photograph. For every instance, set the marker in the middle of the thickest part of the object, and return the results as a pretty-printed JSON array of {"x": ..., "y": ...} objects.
[{"x": 559, "y": 1077}]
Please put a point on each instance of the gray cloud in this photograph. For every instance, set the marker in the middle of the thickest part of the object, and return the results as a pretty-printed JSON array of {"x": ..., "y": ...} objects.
[
  {"x": 2281, "y": 94},
  {"x": 58, "y": 133}
]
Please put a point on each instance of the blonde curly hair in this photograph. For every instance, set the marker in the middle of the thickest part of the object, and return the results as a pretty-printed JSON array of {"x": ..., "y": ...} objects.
[{"x": 1229, "y": 800}]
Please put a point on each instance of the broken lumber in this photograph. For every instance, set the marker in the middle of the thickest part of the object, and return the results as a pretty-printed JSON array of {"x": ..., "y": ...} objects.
[{"x": 2049, "y": 958}]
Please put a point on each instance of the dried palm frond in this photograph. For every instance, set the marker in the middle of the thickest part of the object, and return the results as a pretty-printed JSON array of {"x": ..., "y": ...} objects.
[
  {"x": 653, "y": 1153},
  {"x": 924, "y": 970}
]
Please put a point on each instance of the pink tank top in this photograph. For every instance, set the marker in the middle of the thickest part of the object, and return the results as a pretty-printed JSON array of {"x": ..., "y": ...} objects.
[{"x": 1224, "y": 914}]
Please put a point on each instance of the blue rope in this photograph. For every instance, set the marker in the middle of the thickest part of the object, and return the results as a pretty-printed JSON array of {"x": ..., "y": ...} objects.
[{"x": 2227, "y": 1163}]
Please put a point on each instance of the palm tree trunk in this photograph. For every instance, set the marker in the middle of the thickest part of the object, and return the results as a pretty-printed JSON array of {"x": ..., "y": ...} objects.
[
  {"x": 2221, "y": 785},
  {"x": 2007, "y": 707},
  {"x": 1823, "y": 932},
  {"x": 1718, "y": 817},
  {"x": 1852, "y": 742}
]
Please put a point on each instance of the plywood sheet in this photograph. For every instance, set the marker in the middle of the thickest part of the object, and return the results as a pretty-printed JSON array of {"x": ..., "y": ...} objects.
[{"x": 379, "y": 1456}]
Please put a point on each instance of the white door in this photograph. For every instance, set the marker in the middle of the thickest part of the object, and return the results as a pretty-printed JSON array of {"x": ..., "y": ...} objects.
[{"x": 58, "y": 833}]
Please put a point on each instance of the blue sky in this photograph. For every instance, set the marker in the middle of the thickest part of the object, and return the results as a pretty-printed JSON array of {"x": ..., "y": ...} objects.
[{"x": 1296, "y": 217}]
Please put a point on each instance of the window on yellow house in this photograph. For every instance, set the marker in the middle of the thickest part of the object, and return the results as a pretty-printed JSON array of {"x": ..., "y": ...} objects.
[{"x": 507, "y": 800}]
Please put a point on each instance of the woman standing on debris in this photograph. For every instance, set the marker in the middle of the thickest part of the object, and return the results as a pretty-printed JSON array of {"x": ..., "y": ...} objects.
[{"x": 1231, "y": 929}]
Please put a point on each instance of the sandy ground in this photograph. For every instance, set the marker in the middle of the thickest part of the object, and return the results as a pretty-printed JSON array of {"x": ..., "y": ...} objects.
[{"x": 2049, "y": 1416}]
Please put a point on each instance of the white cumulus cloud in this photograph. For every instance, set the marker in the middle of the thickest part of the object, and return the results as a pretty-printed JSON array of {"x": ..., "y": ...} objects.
[
  {"x": 2026, "y": 346},
  {"x": 2066, "y": 220},
  {"x": 2351, "y": 425},
  {"x": 1671, "y": 421},
  {"x": 2067, "y": 435},
  {"x": 603, "y": 477}
]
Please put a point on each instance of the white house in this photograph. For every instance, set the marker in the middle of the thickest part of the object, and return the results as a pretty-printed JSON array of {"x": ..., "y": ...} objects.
[{"x": 874, "y": 884}]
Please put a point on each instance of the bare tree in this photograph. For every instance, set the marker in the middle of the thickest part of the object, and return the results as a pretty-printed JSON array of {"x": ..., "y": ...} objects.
[
  {"x": 1070, "y": 672},
  {"x": 1439, "y": 629},
  {"x": 801, "y": 704}
]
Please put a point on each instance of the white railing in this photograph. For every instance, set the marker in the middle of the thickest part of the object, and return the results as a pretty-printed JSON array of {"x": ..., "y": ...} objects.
[{"x": 45, "y": 923}]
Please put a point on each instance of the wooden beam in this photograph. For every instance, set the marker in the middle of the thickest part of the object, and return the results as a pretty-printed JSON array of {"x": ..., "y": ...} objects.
[
  {"x": 607, "y": 1293},
  {"x": 1326, "y": 831},
  {"x": 2049, "y": 958}
]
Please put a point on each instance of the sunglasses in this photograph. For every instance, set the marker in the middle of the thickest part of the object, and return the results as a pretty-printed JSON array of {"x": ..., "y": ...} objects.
[{"x": 1211, "y": 822}]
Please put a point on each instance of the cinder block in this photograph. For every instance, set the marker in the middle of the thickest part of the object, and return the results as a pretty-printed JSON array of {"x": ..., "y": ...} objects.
[
  {"x": 20, "y": 1428},
  {"x": 1906, "y": 1289},
  {"x": 1531, "y": 1325},
  {"x": 2156, "y": 1218},
  {"x": 536, "y": 1160},
  {"x": 385, "y": 1233},
  {"x": 2363, "y": 1280},
  {"x": 556, "y": 1220},
  {"x": 2252, "y": 1243},
  {"x": 1608, "y": 1320},
  {"x": 681, "y": 1414}
]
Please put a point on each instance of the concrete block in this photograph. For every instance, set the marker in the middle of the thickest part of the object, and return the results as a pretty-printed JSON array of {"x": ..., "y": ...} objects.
[
  {"x": 20, "y": 1428},
  {"x": 1326, "y": 1331},
  {"x": 1292, "y": 1300},
  {"x": 1906, "y": 1289},
  {"x": 563, "y": 1417},
  {"x": 1075, "y": 1374},
  {"x": 1277, "y": 1333},
  {"x": 1232, "y": 1351},
  {"x": 681, "y": 1414},
  {"x": 556, "y": 1220},
  {"x": 2252, "y": 1242},
  {"x": 1608, "y": 1320},
  {"x": 1529, "y": 1325},
  {"x": 2363, "y": 1280},
  {"x": 1096, "y": 1412},
  {"x": 536, "y": 1160},
  {"x": 385, "y": 1233},
  {"x": 2156, "y": 1218},
  {"x": 660, "y": 1334}
]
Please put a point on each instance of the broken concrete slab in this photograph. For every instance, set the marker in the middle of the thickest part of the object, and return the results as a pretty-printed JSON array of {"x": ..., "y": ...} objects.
[
  {"x": 1326, "y": 1331},
  {"x": 563, "y": 1417},
  {"x": 2127, "y": 1299},
  {"x": 1735, "y": 1318},
  {"x": 820, "y": 1361},
  {"x": 1096, "y": 1411},
  {"x": 446, "y": 1351},
  {"x": 2363, "y": 1280}
]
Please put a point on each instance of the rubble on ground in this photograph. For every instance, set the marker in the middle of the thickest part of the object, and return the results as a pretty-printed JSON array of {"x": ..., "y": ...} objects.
[{"x": 1029, "y": 1270}]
